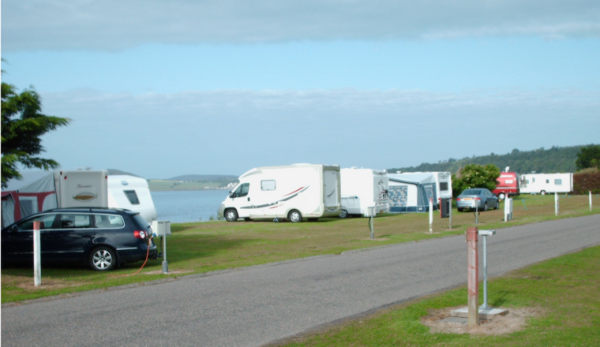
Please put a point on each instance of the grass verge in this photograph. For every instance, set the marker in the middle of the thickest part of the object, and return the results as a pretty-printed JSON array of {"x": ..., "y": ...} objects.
[
  {"x": 209, "y": 246},
  {"x": 563, "y": 291}
]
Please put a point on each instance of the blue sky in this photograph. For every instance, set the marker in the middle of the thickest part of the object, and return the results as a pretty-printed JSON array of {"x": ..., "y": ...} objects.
[{"x": 162, "y": 89}]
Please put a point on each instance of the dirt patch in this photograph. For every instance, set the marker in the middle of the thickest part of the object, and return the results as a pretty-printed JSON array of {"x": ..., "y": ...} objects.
[
  {"x": 442, "y": 321},
  {"x": 26, "y": 283}
]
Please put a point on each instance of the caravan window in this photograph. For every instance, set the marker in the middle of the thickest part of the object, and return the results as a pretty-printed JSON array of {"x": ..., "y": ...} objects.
[
  {"x": 558, "y": 181},
  {"x": 132, "y": 197},
  {"x": 267, "y": 185},
  {"x": 443, "y": 186}
]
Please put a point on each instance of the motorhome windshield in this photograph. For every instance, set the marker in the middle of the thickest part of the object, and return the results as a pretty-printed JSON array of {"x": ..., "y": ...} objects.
[{"x": 242, "y": 190}]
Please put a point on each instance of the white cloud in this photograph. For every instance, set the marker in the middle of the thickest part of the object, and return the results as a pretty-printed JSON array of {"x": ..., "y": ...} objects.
[
  {"x": 164, "y": 135},
  {"x": 120, "y": 24}
]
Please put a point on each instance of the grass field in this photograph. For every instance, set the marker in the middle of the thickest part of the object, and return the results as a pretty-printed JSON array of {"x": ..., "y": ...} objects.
[
  {"x": 560, "y": 294},
  {"x": 209, "y": 246}
]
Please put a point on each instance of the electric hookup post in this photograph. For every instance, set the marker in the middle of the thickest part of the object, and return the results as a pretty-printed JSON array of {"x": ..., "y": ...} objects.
[
  {"x": 371, "y": 214},
  {"x": 472, "y": 277},
  {"x": 37, "y": 258},
  {"x": 163, "y": 228},
  {"x": 555, "y": 203},
  {"x": 430, "y": 215},
  {"x": 508, "y": 209}
]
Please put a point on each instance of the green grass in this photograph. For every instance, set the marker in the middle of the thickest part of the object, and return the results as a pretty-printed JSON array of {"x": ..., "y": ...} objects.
[
  {"x": 209, "y": 246},
  {"x": 564, "y": 290}
]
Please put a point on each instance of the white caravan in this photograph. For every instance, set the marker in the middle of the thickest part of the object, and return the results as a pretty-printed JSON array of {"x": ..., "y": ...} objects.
[
  {"x": 292, "y": 191},
  {"x": 546, "y": 183},
  {"x": 442, "y": 180},
  {"x": 362, "y": 189},
  {"x": 78, "y": 189}
]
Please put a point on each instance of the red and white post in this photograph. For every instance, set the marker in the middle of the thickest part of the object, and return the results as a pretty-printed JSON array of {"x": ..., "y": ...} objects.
[
  {"x": 472, "y": 276},
  {"x": 37, "y": 258}
]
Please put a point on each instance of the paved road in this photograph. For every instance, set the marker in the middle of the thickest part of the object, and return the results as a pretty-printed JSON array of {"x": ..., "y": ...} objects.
[{"x": 261, "y": 304}]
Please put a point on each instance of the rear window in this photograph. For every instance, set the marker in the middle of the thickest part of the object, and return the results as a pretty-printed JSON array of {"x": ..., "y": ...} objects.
[
  {"x": 140, "y": 221},
  {"x": 472, "y": 192},
  {"x": 443, "y": 186},
  {"x": 109, "y": 221}
]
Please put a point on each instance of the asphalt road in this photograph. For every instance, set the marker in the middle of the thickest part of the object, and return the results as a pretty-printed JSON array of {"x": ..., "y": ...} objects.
[{"x": 262, "y": 304}]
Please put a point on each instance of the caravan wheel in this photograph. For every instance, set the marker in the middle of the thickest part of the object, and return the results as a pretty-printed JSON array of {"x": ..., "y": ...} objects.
[
  {"x": 343, "y": 214},
  {"x": 294, "y": 216}
]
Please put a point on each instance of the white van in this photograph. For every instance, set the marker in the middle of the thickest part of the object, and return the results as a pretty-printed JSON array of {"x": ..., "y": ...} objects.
[
  {"x": 292, "y": 191},
  {"x": 361, "y": 189}
]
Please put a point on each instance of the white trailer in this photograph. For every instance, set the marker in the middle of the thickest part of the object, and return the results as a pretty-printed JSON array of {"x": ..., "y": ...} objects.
[
  {"x": 361, "y": 189},
  {"x": 78, "y": 188},
  {"x": 442, "y": 188},
  {"x": 543, "y": 183},
  {"x": 293, "y": 192}
]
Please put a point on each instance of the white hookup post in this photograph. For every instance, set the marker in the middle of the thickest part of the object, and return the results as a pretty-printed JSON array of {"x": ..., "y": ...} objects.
[
  {"x": 371, "y": 210},
  {"x": 508, "y": 209},
  {"x": 555, "y": 203},
  {"x": 590, "y": 194},
  {"x": 430, "y": 215},
  {"x": 472, "y": 277},
  {"x": 476, "y": 212},
  {"x": 37, "y": 258}
]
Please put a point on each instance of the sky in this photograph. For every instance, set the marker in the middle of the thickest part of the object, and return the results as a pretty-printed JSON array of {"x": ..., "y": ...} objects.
[{"x": 166, "y": 88}]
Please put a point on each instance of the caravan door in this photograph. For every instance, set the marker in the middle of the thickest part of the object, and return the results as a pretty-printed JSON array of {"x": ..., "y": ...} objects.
[{"x": 240, "y": 200}]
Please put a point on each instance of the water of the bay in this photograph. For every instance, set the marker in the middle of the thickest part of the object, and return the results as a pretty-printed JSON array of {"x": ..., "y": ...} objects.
[{"x": 188, "y": 205}]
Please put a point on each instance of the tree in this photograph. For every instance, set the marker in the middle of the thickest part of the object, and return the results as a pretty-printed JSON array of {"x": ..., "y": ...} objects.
[
  {"x": 474, "y": 175},
  {"x": 22, "y": 128},
  {"x": 588, "y": 157}
]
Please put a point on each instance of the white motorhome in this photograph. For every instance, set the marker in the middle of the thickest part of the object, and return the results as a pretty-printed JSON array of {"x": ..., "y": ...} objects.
[
  {"x": 362, "y": 189},
  {"x": 81, "y": 188},
  {"x": 543, "y": 183},
  {"x": 294, "y": 192}
]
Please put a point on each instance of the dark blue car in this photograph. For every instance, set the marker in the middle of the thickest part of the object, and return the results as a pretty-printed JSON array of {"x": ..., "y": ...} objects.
[{"x": 102, "y": 238}]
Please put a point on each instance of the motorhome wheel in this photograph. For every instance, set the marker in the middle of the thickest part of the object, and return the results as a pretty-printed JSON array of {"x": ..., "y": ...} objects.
[
  {"x": 231, "y": 215},
  {"x": 294, "y": 216}
]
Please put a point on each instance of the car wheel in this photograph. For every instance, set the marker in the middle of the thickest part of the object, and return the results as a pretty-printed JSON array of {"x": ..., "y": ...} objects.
[
  {"x": 231, "y": 215},
  {"x": 103, "y": 258},
  {"x": 294, "y": 216},
  {"x": 343, "y": 214}
]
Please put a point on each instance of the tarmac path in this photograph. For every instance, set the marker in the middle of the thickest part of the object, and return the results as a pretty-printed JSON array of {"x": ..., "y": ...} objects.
[{"x": 261, "y": 304}]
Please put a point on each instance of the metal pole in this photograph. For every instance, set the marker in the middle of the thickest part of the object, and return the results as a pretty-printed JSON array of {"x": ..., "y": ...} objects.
[
  {"x": 165, "y": 265},
  {"x": 590, "y": 193},
  {"x": 476, "y": 213},
  {"x": 485, "y": 301},
  {"x": 450, "y": 213},
  {"x": 371, "y": 227},
  {"x": 555, "y": 203},
  {"x": 472, "y": 277},
  {"x": 37, "y": 258},
  {"x": 430, "y": 215}
]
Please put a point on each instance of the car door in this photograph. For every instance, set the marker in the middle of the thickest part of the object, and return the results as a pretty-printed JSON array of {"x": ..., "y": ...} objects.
[
  {"x": 17, "y": 241},
  {"x": 71, "y": 238}
]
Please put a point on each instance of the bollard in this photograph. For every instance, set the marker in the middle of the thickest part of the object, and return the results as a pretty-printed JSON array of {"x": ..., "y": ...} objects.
[
  {"x": 590, "y": 194},
  {"x": 555, "y": 203},
  {"x": 472, "y": 276},
  {"x": 37, "y": 258}
]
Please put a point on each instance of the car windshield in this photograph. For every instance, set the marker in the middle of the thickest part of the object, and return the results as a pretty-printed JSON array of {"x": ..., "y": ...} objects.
[{"x": 472, "y": 192}]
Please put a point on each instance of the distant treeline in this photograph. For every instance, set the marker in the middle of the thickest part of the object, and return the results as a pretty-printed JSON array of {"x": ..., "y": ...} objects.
[{"x": 555, "y": 159}]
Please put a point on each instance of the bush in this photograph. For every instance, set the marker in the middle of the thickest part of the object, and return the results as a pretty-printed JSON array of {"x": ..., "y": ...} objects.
[{"x": 586, "y": 180}]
